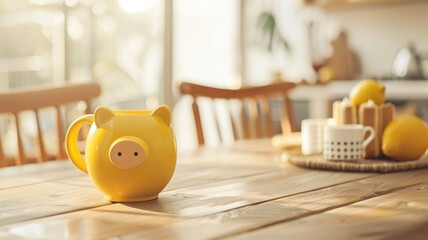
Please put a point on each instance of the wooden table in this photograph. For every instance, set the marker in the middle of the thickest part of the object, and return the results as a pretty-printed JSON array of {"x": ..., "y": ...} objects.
[{"x": 246, "y": 191}]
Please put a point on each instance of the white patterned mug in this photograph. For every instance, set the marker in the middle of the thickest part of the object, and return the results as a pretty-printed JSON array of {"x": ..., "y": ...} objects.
[
  {"x": 312, "y": 134},
  {"x": 346, "y": 142}
]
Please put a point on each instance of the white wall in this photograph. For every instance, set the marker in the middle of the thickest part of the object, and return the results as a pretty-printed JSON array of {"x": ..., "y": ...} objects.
[
  {"x": 377, "y": 33},
  {"x": 292, "y": 20},
  {"x": 205, "y": 41}
]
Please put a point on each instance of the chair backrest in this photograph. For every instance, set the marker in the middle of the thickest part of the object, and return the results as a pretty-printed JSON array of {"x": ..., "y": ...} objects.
[
  {"x": 35, "y": 99},
  {"x": 255, "y": 117}
]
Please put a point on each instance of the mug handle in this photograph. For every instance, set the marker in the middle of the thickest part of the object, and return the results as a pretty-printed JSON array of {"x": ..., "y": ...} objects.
[
  {"x": 71, "y": 146},
  {"x": 371, "y": 136}
]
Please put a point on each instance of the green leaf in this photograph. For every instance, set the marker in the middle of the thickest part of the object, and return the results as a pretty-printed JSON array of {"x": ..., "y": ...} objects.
[{"x": 267, "y": 29}]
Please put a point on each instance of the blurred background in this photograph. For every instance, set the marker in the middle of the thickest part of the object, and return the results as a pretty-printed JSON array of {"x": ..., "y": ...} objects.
[{"x": 138, "y": 50}]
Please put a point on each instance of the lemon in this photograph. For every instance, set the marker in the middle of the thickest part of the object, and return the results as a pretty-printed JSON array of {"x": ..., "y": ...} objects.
[
  {"x": 366, "y": 90},
  {"x": 405, "y": 138},
  {"x": 326, "y": 74}
]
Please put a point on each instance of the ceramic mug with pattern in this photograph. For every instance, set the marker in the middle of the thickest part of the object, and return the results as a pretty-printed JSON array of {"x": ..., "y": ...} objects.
[{"x": 346, "y": 142}]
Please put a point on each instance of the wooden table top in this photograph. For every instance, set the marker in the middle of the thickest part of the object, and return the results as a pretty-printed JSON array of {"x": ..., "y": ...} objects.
[{"x": 246, "y": 191}]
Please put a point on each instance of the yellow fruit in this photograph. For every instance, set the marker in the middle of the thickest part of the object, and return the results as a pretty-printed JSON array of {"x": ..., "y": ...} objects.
[
  {"x": 326, "y": 74},
  {"x": 366, "y": 90},
  {"x": 405, "y": 138}
]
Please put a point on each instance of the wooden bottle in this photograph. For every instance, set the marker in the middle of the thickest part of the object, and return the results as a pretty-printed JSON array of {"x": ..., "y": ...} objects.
[
  {"x": 337, "y": 115},
  {"x": 369, "y": 116},
  {"x": 386, "y": 115},
  {"x": 344, "y": 112},
  {"x": 349, "y": 114}
]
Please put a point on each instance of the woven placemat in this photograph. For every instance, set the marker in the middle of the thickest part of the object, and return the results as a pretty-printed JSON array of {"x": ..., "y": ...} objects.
[{"x": 365, "y": 165}]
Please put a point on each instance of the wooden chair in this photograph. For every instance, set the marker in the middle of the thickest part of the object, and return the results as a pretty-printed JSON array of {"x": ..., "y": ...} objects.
[
  {"x": 35, "y": 99},
  {"x": 255, "y": 118}
]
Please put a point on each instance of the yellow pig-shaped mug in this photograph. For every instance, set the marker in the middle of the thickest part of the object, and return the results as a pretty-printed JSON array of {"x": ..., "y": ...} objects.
[{"x": 130, "y": 155}]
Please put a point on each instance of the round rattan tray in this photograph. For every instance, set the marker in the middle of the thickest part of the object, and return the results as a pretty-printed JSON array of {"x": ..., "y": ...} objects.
[{"x": 365, "y": 165}]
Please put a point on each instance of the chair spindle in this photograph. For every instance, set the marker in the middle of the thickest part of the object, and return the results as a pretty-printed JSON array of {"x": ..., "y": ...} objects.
[
  {"x": 20, "y": 157},
  {"x": 42, "y": 152}
]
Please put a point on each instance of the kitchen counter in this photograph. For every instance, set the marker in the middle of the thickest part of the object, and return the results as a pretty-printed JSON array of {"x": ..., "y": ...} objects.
[{"x": 321, "y": 96}]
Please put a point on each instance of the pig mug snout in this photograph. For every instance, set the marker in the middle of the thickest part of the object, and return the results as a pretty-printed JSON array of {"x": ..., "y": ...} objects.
[{"x": 128, "y": 152}]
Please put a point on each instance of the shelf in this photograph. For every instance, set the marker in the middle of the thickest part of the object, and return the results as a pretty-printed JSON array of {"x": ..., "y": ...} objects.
[{"x": 356, "y": 4}]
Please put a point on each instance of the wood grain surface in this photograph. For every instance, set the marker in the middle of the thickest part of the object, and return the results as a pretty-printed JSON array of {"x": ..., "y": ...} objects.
[{"x": 234, "y": 194}]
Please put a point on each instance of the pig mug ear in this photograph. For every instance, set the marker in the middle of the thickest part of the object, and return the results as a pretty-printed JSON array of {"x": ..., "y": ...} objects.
[
  {"x": 103, "y": 115},
  {"x": 164, "y": 113}
]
